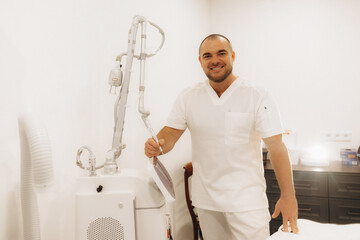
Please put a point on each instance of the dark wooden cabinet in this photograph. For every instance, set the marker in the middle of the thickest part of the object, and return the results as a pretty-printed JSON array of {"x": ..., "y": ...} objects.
[{"x": 328, "y": 195}]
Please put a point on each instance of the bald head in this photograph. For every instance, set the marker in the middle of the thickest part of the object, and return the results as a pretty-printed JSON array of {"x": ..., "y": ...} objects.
[{"x": 214, "y": 37}]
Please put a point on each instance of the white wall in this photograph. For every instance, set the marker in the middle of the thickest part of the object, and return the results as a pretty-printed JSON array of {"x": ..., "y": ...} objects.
[
  {"x": 55, "y": 58},
  {"x": 307, "y": 54}
]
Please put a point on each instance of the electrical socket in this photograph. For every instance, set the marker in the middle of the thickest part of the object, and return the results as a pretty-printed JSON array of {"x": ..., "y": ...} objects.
[{"x": 338, "y": 136}]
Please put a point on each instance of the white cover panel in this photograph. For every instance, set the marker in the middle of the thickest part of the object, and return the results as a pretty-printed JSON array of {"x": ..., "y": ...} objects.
[
  {"x": 105, "y": 216},
  {"x": 310, "y": 230}
]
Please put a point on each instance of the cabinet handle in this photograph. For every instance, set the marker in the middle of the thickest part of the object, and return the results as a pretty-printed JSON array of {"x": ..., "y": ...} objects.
[
  {"x": 304, "y": 209},
  {"x": 351, "y": 188},
  {"x": 306, "y": 185},
  {"x": 353, "y": 213}
]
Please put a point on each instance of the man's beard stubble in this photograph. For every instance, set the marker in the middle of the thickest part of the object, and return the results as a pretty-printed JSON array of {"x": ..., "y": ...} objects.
[{"x": 220, "y": 79}]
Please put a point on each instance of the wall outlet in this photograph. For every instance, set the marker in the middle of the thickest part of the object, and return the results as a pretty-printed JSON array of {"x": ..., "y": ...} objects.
[{"x": 338, "y": 136}]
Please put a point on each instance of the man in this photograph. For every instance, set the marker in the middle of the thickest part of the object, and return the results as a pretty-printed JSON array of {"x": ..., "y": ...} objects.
[{"x": 227, "y": 117}]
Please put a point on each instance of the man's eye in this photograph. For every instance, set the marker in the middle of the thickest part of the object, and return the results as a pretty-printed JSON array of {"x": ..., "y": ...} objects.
[{"x": 206, "y": 56}]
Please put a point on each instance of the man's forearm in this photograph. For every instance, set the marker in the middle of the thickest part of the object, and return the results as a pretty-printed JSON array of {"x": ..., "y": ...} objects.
[
  {"x": 287, "y": 204},
  {"x": 282, "y": 167},
  {"x": 171, "y": 136}
]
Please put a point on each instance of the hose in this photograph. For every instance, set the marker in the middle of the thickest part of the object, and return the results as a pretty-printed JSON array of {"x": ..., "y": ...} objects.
[{"x": 36, "y": 171}]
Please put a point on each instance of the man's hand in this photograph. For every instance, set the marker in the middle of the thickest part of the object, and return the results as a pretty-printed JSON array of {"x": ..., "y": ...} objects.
[
  {"x": 152, "y": 148},
  {"x": 288, "y": 207}
]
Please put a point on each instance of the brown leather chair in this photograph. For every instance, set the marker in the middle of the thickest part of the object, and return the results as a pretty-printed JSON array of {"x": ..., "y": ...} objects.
[{"x": 195, "y": 221}]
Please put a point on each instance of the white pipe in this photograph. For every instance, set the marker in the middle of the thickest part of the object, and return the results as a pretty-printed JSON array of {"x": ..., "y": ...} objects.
[
  {"x": 36, "y": 171},
  {"x": 120, "y": 105}
]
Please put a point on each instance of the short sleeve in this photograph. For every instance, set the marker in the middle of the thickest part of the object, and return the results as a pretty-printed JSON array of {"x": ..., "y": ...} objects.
[
  {"x": 268, "y": 121},
  {"x": 177, "y": 116}
]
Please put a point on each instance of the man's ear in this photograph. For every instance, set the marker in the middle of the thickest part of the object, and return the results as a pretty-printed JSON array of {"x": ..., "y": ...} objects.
[{"x": 233, "y": 56}]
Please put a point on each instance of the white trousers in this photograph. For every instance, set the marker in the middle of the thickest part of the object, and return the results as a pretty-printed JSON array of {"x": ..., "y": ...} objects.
[{"x": 250, "y": 225}]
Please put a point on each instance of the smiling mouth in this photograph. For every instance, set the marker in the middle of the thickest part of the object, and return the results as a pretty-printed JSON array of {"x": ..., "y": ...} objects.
[{"x": 216, "y": 68}]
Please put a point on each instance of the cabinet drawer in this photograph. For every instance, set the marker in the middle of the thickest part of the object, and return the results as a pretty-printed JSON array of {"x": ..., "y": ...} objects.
[
  {"x": 306, "y": 183},
  {"x": 274, "y": 225},
  {"x": 272, "y": 199},
  {"x": 272, "y": 185},
  {"x": 344, "y": 211},
  {"x": 312, "y": 208},
  {"x": 344, "y": 186}
]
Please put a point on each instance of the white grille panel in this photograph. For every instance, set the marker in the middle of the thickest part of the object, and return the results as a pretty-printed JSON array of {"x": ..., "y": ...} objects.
[{"x": 105, "y": 228}]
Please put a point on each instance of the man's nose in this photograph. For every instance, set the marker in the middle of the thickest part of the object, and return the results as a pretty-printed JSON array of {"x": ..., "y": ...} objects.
[{"x": 215, "y": 61}]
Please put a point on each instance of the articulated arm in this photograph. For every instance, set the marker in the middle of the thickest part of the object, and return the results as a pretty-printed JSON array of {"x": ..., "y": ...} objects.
[
  {"x": 115, "y": 80},
  {"x": 120, "y": 105}
]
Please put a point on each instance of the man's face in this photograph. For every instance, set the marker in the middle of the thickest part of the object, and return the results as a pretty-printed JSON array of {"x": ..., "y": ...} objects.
[{"x": 216, "y": 58}]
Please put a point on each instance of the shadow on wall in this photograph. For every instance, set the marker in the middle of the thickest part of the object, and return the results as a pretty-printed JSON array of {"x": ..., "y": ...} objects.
[
  {"x": 10, "y": 205},
  {"x": 13, "y": 224}
]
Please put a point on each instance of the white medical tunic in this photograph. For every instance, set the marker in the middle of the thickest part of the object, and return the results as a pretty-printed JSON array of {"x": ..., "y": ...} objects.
[{"x": 226, "y": 134}]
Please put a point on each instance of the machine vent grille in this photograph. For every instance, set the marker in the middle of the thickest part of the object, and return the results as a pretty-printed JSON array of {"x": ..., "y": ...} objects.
[{"x": 105, "y": 228}]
